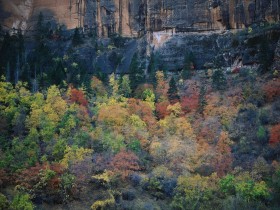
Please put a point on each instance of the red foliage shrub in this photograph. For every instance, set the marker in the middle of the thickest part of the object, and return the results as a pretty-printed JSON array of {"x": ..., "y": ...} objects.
[
  {"x": 36, "y": 178},
  {"x": 4, "y": 178},
  {"x": 161, "y": 109},
  {"x": 125, "y": 163},
  {"x": 236, "y": 70},
  {"x": 77, "y": 96},
  {"x": 189, "y": 103},
  {"x": 274, "y": 135},
  {"x": 272, "y": 90}
]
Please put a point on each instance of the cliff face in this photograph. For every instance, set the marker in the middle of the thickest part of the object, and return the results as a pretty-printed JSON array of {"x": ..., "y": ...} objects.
[{"x": 135, "y": 17}]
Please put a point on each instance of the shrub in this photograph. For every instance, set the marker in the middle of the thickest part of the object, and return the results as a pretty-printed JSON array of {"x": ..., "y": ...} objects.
[
  {"x": 125, "y": 163},
  {"x": 77, "y": 96},
  {"x": 42, "y": 180},
  {"x": 189, "y": 103},
  {"x": 249, "y": 190},
  {"x": 219, "y": 81},
  {"x": 194, "y": 192},
  {"x": 227, "y": 185},
  {"x": 161, "y": 109},
  {"x": 128, "y": 195},
  {"x": 272, "y": 90},
  {"x": 262, "y": 134},
  {"x": 274, "y": 135},
  {"x": 104, "y": 204},
  {"x": 168, "y": 186},
  {"x": 136, "y": 179},
  {"x": 22, "y": 202},
  {"x": 4, "y": 203}
]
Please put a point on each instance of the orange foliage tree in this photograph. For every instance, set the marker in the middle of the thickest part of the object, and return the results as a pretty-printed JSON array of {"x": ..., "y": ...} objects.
[
  {"x": 189, "y": 103},
  {"x": 125, "y": 163},
  {"x": 274, "y": 135},
  {"x": 272, "y": 89},
  {"x": 77, "y": 96},
  {"x": 162, "y": 87},
  {"x": 143, "y": 110},
  {"x": 161, "y": 109},
  {"x": 223, "y": 156}
]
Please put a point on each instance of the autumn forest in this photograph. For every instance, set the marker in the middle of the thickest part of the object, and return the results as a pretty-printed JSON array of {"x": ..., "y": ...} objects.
[{"x": 188, "y": 139}]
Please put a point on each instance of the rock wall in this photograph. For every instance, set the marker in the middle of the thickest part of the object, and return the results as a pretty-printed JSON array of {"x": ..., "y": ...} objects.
[{"x": 134, "y": 18}]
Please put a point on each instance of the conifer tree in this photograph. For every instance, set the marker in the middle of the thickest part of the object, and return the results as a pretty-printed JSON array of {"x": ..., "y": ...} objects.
[
  {"x": 136, "y": 74},
  {"x": 77, "y": 40},
  {"x": 219, "y": 80},
  {"x": 8, "y": 72},
  {"x": 17, "y": 70},
  {"x": 152, "y": 69},
  {"x": 202, "y": 102},
  {"x": 188, "y": 62},
  {"x": 173, "y": 92},
  {"x": 124, "y": 88}
]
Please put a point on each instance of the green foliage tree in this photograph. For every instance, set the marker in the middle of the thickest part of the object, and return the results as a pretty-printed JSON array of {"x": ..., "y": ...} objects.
[
  {"x": 4, "y": 203},
  {"x": 245, "y": 187},
  {"x": 114, "y": 85},
  {"x": 22, "y": 202},
  {"x": 262, "y": 134},
  {"x": 195, "y": 192},
  {"x": 227, "y": 184}
]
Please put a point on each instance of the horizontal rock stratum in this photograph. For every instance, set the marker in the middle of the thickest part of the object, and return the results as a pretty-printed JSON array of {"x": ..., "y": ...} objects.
[{"x": 133, "y": 18}]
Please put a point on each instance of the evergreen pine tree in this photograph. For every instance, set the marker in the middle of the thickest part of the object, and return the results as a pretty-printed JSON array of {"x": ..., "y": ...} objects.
[
  {"x": 188, "y": 61},
  {"x": 152, "y": 69},
  {"x": 265, "y": 55},
  {"x": 17, "y": 70},
  {"x": 8, "y": 72},
  {"x": 101, "y": 75},
  {"x": 172, "y": 93},
  {"x": 40, "y": 27},
  {"x": 77, "y": 40},
  {"x": 219, "y": 80},
  {"x": 202, "y": 100},
  {"x": 124, "y": 88},
  {"x": 136, "y": 74}
]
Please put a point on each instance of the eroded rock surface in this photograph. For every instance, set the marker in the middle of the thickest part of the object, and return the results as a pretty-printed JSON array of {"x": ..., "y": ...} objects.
[{"x": 135, "y": 17}]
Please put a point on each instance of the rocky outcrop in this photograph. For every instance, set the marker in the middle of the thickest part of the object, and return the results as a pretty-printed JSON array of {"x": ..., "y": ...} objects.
[
  {"x": 15, "y": 13},
  {"x": 135, "y": 17}
]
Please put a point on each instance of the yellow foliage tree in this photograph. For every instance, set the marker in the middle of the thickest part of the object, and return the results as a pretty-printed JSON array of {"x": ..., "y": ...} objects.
[{"x": 73, "y": 155}]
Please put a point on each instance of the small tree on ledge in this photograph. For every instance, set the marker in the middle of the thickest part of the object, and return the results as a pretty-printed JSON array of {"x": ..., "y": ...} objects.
[{"x": 77, "y": 40}]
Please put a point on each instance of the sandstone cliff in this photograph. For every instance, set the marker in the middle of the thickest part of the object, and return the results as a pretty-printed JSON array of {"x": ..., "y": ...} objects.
[{"x": 135, "y": 17}]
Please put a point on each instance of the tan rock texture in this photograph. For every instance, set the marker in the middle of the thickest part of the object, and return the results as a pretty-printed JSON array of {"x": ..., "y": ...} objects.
[{"x": 135, "y": 17}]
